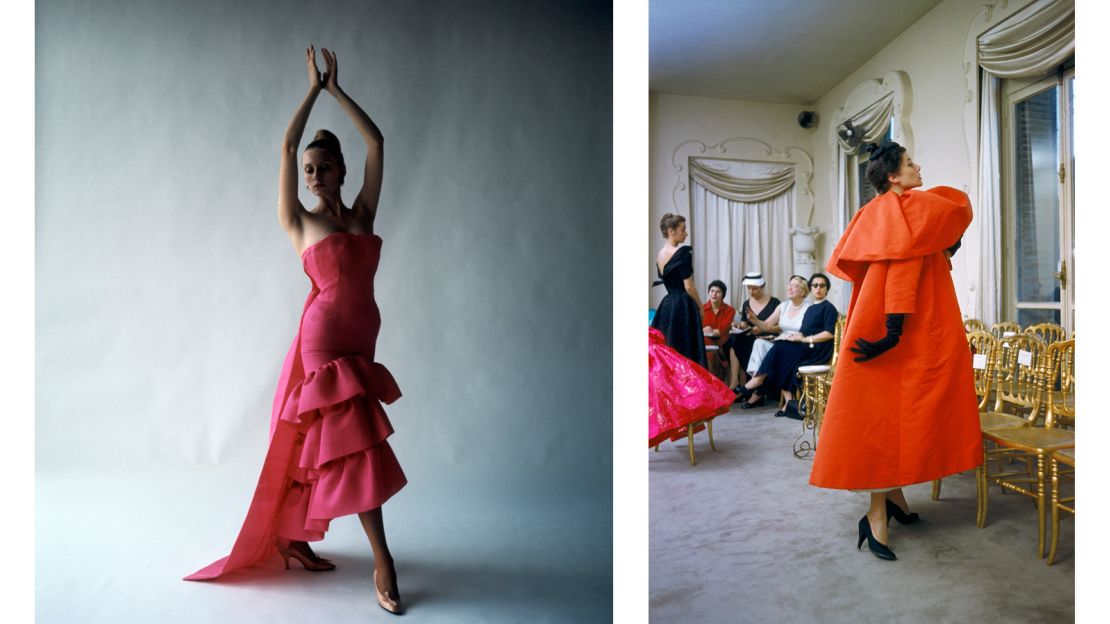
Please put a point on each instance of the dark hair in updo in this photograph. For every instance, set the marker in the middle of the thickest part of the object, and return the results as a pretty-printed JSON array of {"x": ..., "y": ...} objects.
[
  {"x": 670, "y": 222},
  {"x": 327, "y": 141},
  {"x": 718, "y": 284},
  {"x": 885, "y": 159}
]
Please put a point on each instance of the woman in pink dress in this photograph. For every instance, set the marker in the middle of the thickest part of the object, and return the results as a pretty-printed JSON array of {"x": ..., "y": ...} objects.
[{"x": 328, "y": 453}]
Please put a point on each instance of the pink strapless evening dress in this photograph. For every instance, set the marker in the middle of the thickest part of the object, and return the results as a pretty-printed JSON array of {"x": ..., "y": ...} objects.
[
  {"x": 328, "y": 453},
  {"x": 679, "y": 391}
]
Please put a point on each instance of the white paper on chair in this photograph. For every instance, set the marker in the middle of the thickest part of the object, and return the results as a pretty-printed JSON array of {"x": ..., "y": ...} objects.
[
  {"x": 979, "y": 361},
  {"x": 1025, "y": 358},
  {"x": 1006, "y": 334}
]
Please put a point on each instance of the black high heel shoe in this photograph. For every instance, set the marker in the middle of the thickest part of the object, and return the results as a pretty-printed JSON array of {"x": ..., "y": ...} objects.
[
  {"x": 894, "y": 511},
  {"x": 742, "y": 393},
  {"x": 876, "y": 547},
  {"x": 757, "y": 403}
]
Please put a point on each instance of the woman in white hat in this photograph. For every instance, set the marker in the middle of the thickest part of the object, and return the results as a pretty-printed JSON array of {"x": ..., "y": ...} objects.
[{"x": 761, "y": 305}]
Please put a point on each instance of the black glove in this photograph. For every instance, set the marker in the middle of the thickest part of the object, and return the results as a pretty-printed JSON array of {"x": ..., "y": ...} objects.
[
  {"x": 953, "y": 248},
  {"x": 869, "y": 350}
]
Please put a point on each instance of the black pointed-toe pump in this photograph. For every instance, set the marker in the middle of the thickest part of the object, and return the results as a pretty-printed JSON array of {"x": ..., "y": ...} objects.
[{"x": 876, "y": 547}]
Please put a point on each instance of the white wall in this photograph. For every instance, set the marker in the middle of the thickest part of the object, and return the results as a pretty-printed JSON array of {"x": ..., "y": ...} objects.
[
  {"x": 677, "y": 118},
  {"x": 931, "y": 52},
  {"x": 167, "y": 294}
]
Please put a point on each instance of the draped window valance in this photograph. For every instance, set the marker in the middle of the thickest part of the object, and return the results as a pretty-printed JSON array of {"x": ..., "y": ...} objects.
[
  {"x": 873, "y": 121},
  {"x": 1032, "y": 42},
  {"x": 747, "y": 182}
]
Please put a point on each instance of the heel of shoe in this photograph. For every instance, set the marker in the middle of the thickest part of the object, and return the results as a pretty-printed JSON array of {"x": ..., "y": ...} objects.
[
  {"x": 876, "y": 547},
  {"x": 894, "y": 511}
]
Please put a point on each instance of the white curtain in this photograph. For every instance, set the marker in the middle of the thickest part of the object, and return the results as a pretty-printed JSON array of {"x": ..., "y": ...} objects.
[
  {"x": 1030, "y": 43},
  {"x": 732, "y": 236},
  {"x": 988, "y": 219},
  {"x": 873, "y": 121}
]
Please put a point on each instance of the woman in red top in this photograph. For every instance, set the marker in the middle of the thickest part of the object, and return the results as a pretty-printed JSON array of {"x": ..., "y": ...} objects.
[
  {"x": 902, "y": 408},
  {"x": 716, "y": 319}
]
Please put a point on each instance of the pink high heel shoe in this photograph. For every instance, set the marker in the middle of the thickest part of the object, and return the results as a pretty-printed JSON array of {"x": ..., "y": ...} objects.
[
  {"x": 385, "y": 601},
  {"x": 310, "y": 561}
]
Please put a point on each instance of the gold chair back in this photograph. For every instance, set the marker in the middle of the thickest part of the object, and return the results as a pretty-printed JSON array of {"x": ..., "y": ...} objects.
[
  {"x": 1047, "y": 332},
  {"x": 1005, "y": 327},
  {"x": 984, "y": 350},
  {"x": 973, "y": 325},
  {"x": 1019, "y": 376},
  {"x": 1060, "y": 385},
  {"x": 837, "y": 335}
]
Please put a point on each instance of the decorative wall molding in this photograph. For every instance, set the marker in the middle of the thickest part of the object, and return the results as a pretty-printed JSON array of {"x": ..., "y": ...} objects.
[
  {"x": 744, "y": 149},
  {"x": 979, "y": 23},
  {"x": 865, "y": 94}
]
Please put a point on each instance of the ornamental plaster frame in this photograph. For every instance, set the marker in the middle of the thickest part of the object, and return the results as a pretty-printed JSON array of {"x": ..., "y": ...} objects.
[
  {"x": 743, "y": 149},
  {"x": 982, "y": 21},
  {"x": 865, "y": 94},
  {"x": 747, "y": 149}
]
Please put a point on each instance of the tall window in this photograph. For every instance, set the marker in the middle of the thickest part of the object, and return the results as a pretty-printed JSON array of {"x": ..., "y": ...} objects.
[{"x": 1037, "y": 199}]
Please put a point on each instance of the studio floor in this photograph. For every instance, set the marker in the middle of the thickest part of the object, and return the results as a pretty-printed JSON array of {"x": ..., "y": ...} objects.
[
  {"x": 113, "y": 548},
  {"x": 742, "y": 537}
]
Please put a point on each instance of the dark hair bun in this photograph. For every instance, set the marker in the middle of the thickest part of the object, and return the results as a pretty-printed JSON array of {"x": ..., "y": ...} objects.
[
  {"x": 324, "y": 139},
  {"x": 325, "y": 136}
]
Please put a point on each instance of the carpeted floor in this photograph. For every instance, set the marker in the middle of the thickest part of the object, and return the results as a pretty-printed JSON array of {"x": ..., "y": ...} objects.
[{"x": 742, "y": 537}]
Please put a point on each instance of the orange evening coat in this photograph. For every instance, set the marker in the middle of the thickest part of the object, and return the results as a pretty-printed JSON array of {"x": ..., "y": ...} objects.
[{"x": 909, "y": 415}]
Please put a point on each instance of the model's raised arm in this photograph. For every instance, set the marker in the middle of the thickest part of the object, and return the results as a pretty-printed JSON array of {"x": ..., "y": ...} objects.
[
  {"x": 366, "y": 204},
  {"x": 290, "y": 209}
]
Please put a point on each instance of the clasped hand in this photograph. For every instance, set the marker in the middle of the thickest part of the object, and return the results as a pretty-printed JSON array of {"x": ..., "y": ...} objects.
[{"x": 329, "y": 80}]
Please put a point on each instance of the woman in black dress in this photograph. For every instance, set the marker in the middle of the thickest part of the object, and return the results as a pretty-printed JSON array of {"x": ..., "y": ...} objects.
[
  {"x": 760, "y": 304},
  {"x": 813, "y": 345},
  {"x": 679, "y": 314}
]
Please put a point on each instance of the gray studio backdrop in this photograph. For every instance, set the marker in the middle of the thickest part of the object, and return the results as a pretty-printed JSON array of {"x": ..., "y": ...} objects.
[{"x": 167, "y": 295}]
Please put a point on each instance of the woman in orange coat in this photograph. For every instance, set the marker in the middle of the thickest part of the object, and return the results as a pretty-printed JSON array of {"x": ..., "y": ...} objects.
[{"x": 902, "y": 408}]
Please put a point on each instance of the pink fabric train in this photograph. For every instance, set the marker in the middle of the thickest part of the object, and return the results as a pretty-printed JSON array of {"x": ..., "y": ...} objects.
[{"x": 328, "y": 454}]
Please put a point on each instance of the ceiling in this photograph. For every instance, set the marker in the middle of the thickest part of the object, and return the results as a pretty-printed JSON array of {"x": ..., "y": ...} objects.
[{"x": 784, "y": 52}]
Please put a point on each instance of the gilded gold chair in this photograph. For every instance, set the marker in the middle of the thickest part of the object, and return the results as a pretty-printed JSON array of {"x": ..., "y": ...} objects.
[
  {"x": 973, "y": 325},
  {"x": 1047, "y": 332},
  {"x": 1018, "y": 388},
  {"x": 984, "y": 361},
  {"x": 691, "y": 429},
  {"x": 1039, "y": 443},
  {"x": 1060, "y": 384},
  {"x": 816, "y": 381},
  {"x": 1005, "y": 328},
  {"x": 1064, "y": 457}
]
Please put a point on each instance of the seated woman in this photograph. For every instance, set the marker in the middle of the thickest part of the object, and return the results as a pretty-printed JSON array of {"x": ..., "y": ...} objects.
[
  {"x": 812, "y": 344},
  {"x": 760, "y": 304},
  {"x": 787, "y": 320},
  {"x": 716, "y": 319}
]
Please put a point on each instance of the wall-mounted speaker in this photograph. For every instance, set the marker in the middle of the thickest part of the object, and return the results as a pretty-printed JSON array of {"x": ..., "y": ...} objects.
[{"x": 807, "y": 119}]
